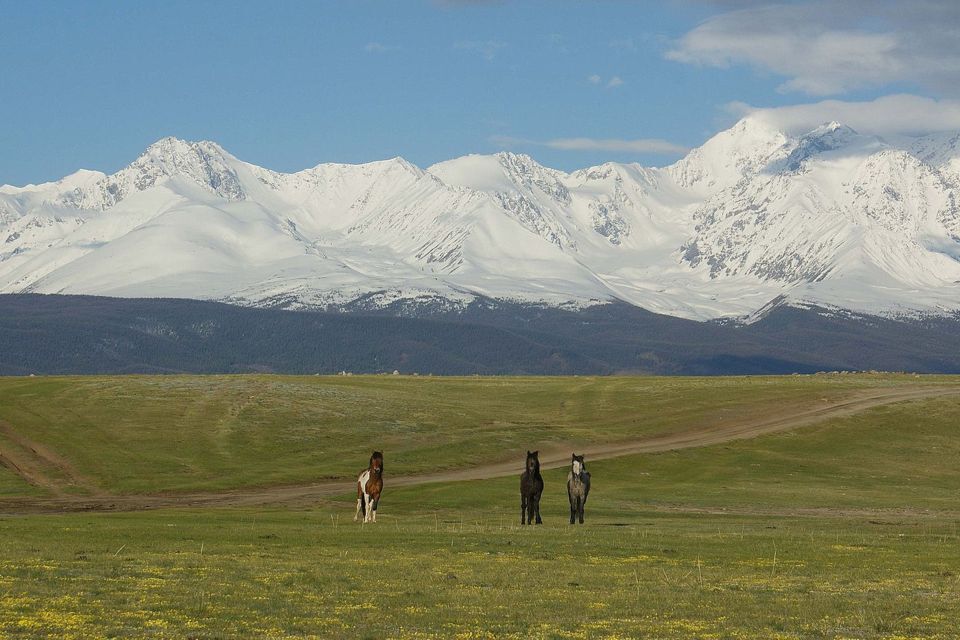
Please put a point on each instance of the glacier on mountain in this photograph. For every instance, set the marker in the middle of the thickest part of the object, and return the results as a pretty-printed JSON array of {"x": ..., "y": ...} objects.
[{"x": 754, "y": 215}]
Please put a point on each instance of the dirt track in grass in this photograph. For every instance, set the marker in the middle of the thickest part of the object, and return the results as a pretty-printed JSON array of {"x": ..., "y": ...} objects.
[{"x": 556, "y": 455}]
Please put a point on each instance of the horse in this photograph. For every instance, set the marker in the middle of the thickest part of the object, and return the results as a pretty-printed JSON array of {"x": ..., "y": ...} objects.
[
  {"x": 531, "y": 488},
  {"x": 369, "y": 487},
  {"x": 578, "y": 486}
]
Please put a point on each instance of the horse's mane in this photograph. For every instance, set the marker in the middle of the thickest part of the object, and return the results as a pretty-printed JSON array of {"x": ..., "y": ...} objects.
[
  {"x": 534, "y": 455},
  {"x": 574, "y": 459}
]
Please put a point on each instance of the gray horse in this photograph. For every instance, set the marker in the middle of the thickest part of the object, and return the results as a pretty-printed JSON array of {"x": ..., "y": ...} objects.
[{"x": 578, "y": 486}]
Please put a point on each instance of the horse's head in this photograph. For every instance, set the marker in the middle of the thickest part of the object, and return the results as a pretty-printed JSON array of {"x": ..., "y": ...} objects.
[
  {"x": 533, "y": 461},
  {"x": 376, "y": 463},
  {"x": 576, "y": 462}
]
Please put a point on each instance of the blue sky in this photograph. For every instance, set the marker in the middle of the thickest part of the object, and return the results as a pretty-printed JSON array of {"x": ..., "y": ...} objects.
[{"x": 291, "y": 84}]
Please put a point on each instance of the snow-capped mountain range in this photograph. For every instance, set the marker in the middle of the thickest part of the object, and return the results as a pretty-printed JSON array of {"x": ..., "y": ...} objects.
[{"x": 754, "y": 215}]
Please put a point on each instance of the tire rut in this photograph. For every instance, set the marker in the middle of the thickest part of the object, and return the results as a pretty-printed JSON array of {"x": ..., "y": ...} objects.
[{"x": 38, "y": 465}]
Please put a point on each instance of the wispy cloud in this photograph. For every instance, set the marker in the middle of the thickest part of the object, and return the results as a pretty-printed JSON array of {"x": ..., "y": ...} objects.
[
  {"x": 825, "y": 47},
  {"x": 379, "y": 47},
  {"x": 597, "y": 79},
  {"x": 640, "y": 145},
  {"x": 487, "y": 48},
  {"x": 900, "y": 114}
]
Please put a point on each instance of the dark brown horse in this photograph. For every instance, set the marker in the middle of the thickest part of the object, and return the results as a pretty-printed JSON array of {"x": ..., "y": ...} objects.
[
  {"x": 578, "y": 487},
  {"x": 531, "y": 488},
  {"x": 369, "y": 487}
]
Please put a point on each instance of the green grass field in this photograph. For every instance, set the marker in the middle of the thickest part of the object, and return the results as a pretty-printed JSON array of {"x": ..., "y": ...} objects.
[{"x": 843, "y": 529}]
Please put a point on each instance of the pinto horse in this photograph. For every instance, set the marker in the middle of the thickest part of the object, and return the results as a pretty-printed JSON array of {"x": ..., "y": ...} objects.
[
  {"x": 578, "y": 486},
  {"x": 369, "y": 487},
  {"x": 531, "y": 488}
]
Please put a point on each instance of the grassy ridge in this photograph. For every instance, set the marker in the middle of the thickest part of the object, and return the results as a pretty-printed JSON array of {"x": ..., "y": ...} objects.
[{"x": 179, "y": 433}]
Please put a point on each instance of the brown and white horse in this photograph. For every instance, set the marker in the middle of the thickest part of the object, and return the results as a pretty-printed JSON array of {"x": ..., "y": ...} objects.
[{"x": 369, "y": 487}]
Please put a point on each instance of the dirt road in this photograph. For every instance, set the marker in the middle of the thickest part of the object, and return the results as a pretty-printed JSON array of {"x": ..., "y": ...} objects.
[{"x": 552, "y": 457}]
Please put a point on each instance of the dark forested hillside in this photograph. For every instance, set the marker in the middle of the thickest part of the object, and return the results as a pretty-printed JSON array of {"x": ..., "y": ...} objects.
[{"x": 51, "y": 334}]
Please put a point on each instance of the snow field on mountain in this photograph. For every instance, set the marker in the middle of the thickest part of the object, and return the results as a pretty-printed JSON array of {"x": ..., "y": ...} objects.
[{"x": 831, "y": 218}]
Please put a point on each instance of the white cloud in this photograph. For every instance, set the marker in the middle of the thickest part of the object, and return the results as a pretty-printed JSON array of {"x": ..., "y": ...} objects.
[
  {"x": 487, "y": 48},
  {"x": 378, "y": 47},
  {"x": 614, "y": 81},
  {"x": 641, "y": 145},
  {"x": 899, "y": 114},
  {"x": 828, "y": 47}
]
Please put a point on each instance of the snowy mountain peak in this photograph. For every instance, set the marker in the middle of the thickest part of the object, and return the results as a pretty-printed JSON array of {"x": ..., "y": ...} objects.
[
  {"x": 523, "y": 164},
  {"x": 836, "y": 133},
  {"x": 76, "y": 179},
  {"x": 530, "y": 193},
  {"x": 941, "y": 151},
  {"x": 204, "y": 163},
  {"x": 827, "y": 137},
  {"x": 753, "y": 215},
  {"x": 396, "y": 163},
  {"x": 168, "y": 147},
  {"x": 743, "y": 150},
  {"x": 173, "y": 156},
  {"x": 832, "y": 126},
  {"x": 521, "y": 161},
  {"x": 82, "y": 177},
  {"x": 503, "y": 172}
]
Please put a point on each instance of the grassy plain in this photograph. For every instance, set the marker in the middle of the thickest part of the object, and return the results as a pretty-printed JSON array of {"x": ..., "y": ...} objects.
[
  {"x": 140, "y": 434},
  {"x": 844, "y": 529}
]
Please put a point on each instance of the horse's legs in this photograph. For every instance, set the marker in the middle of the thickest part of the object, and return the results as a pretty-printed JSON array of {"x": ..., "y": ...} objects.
[
  {"x": 536, "y": 508},
  {"x": 376, "y": 501},
  {"x": 523, "y": 508},
  {"x": 573, "y": 506},
  {"x": 581, "y": 501},
  {"x": 359, "y": 507}
]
